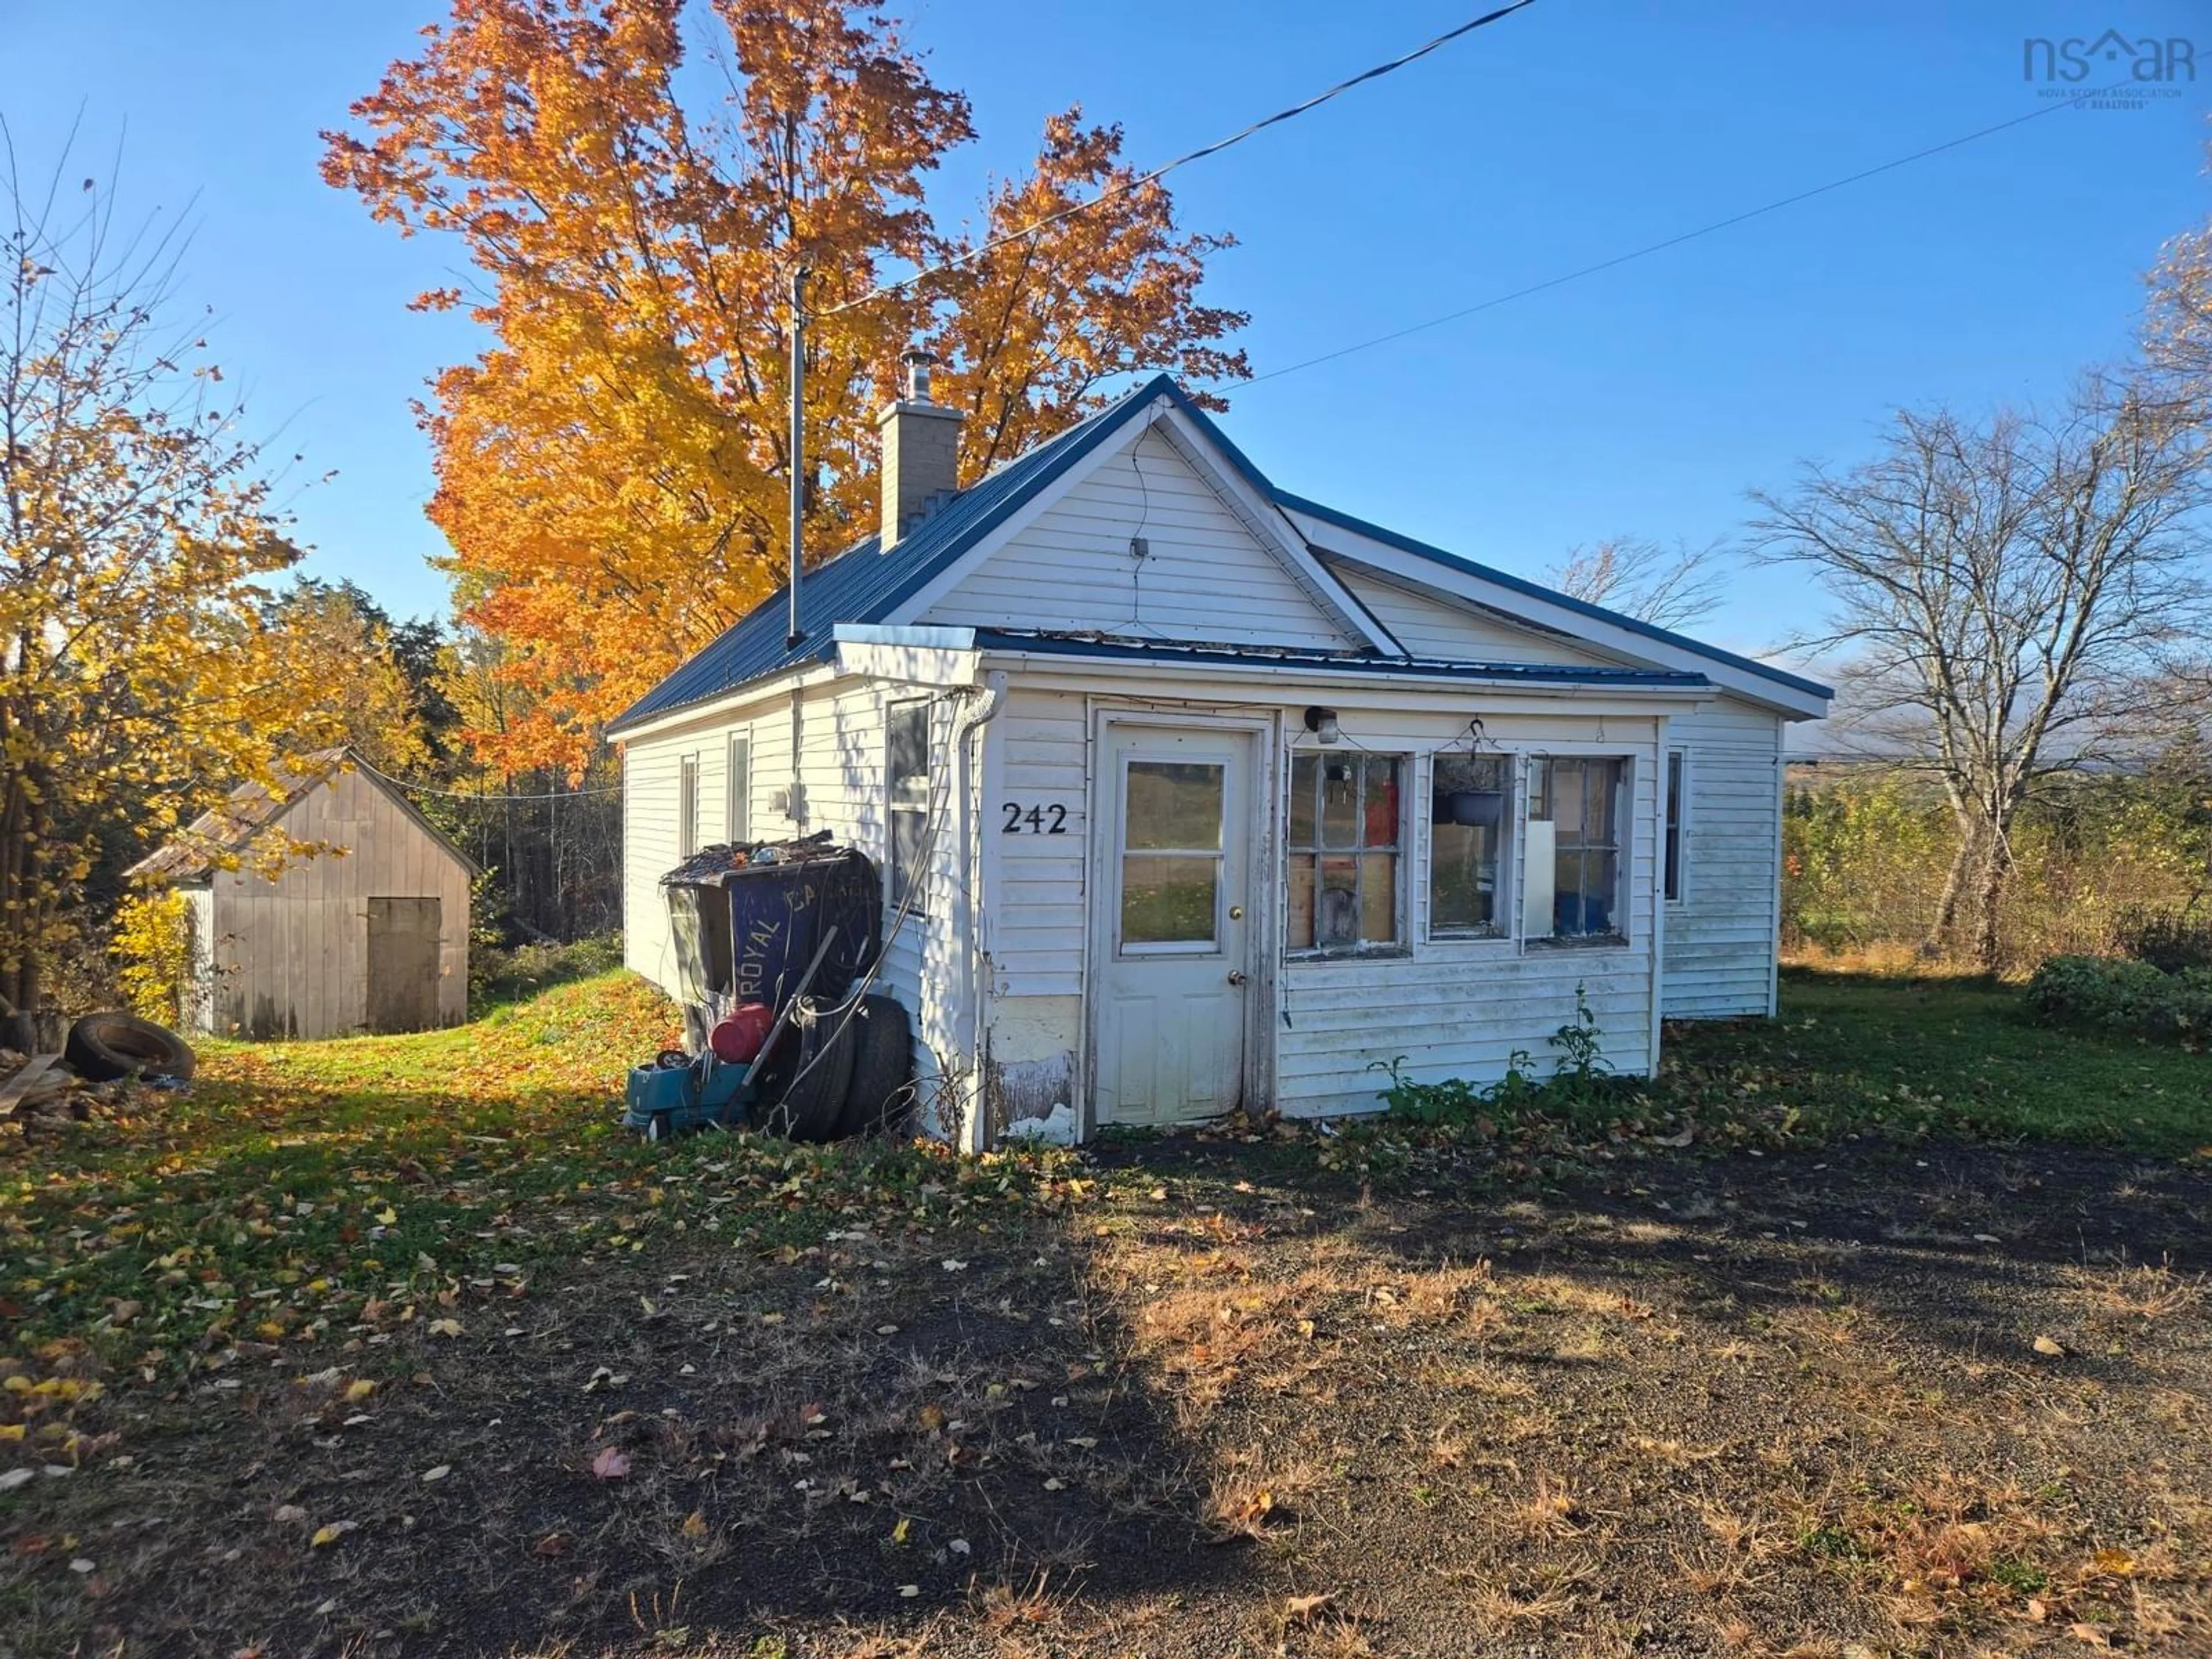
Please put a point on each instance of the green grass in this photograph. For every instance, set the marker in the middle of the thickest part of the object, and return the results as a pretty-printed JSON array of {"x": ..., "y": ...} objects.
[
  {"x": 302, "y": 1189},
  {"x": 1940, "y": 1056}
]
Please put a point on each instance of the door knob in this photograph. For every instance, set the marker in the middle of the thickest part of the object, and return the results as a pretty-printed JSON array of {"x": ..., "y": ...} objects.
[
  {"x": 1235, "y": 912},
  {"x": 1235, "y": 975}
]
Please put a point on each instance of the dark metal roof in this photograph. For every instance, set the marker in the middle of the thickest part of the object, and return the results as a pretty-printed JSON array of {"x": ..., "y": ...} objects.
[
  {"x": 1283, "y": 498},
  {"x": 864, "y": 584},
  {"x": 1536, "y": 673}
]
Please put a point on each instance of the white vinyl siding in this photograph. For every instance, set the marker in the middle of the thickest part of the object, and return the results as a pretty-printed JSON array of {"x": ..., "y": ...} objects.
[
  {"x": 736, "y": 790},
  {"x": 1720, "y": 935},
  {"x": 1034, "y": 921},
  {"x": 839, "y": 731},
  {"x": 687, "y": 806},
  {"x": 1451, "y": 1006},
  {"x": 1460, "y": 1008},
  {"x": 1452, "y": 633},
  {"x": 1205, "y": 577}
]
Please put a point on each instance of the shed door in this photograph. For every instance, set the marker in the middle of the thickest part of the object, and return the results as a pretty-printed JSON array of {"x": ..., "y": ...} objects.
[
  {"x": 1172, "y": 1028},
  {"x": 403, "y": 964}
]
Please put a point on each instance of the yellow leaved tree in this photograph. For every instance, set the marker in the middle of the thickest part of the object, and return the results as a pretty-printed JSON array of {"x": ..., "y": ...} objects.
[
  {"x": 612, "y": 471},
  {"x": 138, "y": 677}
]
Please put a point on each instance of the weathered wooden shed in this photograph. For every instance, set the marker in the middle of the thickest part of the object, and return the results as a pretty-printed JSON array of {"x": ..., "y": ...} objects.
[{"x": 369, "y": 934}]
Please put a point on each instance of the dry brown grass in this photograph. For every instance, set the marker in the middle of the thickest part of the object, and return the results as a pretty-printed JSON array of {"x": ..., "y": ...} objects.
[{"x": 2143, "y": 1294}]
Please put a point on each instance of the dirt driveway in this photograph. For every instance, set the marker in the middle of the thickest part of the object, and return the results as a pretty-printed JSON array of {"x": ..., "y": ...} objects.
[{"x": 1214, "y": 1400}]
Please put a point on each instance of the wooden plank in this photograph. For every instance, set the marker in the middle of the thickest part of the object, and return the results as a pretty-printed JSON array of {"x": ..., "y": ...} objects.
[{"x": 33, "y": 1071}]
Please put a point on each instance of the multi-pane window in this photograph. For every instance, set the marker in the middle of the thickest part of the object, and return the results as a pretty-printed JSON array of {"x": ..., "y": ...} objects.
[
  {"x": 1470, "y": 824},
  {"x": 1673, "y": 861},
  {"x": 1580, "y": 800},
  {"x": 687, "y": 806},
  {"x": 1345, "y": 826},
  {"x": 738, "y": 804},
  {"x": 906, "y": 766}
]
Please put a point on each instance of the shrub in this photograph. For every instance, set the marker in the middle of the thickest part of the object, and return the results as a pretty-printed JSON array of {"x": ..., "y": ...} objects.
[
  {"x": 153, "y": 945},
  {"x": 2171, "y": 941},
  {"x": 496, "y": 975},
  {"x": 2118, "y": 993},
  {"x": 1580, "y": 1077}
]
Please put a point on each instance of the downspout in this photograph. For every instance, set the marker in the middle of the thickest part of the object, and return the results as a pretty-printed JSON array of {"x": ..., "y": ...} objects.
[{"x": 970, "y": 1017}]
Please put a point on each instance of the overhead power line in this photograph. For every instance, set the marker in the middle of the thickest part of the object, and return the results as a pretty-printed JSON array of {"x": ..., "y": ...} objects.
[
  {"x": 1661, "y": 246},
  {"x": 1199, "y": 154},
  {"x": 471, "y": 795}
]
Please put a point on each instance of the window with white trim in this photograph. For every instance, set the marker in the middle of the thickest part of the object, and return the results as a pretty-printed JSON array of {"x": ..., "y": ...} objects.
[
  {"x": 1575, "y": 805},
  {"x": 1677, "y": 772},
  {"x": 687, "y": 806},
  {"x": 737, "y": 803},
  {"x": 1346, "y": 833},
  {"x": 906, "y": 772},
  {"x": 1470, "y": 826}
]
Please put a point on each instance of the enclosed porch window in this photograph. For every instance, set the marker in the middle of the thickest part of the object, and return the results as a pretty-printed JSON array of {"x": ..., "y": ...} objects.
[
  {"x": 1470, "y": 826},
  {"x": 1574, "y": 805},
  {"x": 1347, "y": 825}
]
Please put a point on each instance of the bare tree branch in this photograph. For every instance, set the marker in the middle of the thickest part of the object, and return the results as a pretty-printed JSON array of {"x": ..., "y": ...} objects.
[{"x": 2013, "y": 598}]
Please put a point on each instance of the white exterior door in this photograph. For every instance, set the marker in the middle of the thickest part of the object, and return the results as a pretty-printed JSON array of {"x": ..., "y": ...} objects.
[{"x": 1176, "y": 945}]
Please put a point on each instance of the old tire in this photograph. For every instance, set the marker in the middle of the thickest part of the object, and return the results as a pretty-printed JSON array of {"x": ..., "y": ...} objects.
[
  {"x": 883, "y": 1067},
  {"x": 103, "y": 1048},
  {"x": 822, "y": 1072}
]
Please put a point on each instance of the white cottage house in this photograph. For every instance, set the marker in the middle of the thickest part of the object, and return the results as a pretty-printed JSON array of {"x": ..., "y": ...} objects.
[{"x": 1194, "y": 793}]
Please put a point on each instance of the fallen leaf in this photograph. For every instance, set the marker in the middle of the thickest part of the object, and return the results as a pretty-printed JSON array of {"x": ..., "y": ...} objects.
[
  {"x": 901, "y": 1532},
  {"x": 2049, "y": 1348},
  {"x": 360, "y": 1390},
  {"x": 954, "y": 1266},
  {"x": 2089, "y": 1633},
  {"x": 2118, "y": 1563},
  {"x": 445, "y": 1327},
  {"x": 910, "y": 1591},
  {"x": 290, "y": 1514},
  {"x": 553, "y": 1544},
  {"x": 2038, "y": 1609},
  {"x": 695, "y": 1524},
  {"x": 612, "y": 1464},
  {"x": 437, "y": 1473},
  {"x": 1303, "y": 1607},
  {"x": 331, "y": 1534}
]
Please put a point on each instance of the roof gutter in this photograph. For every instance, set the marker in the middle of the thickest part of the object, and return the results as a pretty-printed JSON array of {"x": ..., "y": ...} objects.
[
  {"x": 1354, "y": 681},
  {"x": 669, "y": 719}
]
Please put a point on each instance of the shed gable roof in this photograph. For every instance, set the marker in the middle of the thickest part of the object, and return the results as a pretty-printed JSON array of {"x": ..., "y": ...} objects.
[{"x": 252, "y": 808}]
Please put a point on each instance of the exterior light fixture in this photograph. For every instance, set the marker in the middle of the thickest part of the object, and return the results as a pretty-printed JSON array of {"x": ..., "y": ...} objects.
[{"x": 1322, "y": 722}]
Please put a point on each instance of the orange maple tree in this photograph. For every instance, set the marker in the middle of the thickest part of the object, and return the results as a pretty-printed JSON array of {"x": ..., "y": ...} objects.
[{"x": 612, "y": 471}]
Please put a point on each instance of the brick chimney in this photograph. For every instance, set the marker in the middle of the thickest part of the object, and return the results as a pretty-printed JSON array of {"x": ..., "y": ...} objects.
[{"x": 921, "y": 450}]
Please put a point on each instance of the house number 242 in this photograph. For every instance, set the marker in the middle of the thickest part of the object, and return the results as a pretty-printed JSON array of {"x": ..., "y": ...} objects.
[{"x": 1033, "y": 820}]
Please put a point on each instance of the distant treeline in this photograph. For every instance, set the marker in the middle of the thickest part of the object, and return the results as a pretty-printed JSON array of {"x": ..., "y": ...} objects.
[{"x": 1866, "y": 851}]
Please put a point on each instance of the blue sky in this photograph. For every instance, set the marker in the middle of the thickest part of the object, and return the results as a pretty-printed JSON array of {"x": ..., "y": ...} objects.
[{"x": 1641, "y": 401}]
